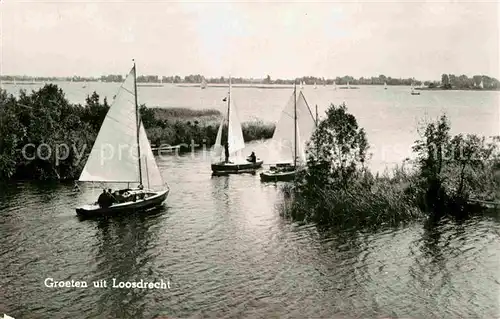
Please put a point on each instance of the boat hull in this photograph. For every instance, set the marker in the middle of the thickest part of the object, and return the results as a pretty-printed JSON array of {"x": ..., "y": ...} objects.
[
  {"x": 140, "y": 205},
  {"x": 236, "y": 168},
  {"x": 270, "y": 176}
]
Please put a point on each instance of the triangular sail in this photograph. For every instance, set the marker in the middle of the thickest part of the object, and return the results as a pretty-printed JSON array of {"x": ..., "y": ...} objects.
[
  {"x": 114, "y": 156},
  {"x": 282, "y": 140},
  {"x": 283, "y": 137},
  {"x": 235, "y": 133},
  {"x": 217, "y": 148},
  {"x": 151, "y": 175}
]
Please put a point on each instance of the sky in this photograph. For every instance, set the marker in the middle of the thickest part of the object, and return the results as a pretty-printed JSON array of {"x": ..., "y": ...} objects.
[{"x": 250, "y": 39}]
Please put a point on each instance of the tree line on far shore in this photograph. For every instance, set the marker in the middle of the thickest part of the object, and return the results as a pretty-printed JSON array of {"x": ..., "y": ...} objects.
[{"x": 448, "y": 81}]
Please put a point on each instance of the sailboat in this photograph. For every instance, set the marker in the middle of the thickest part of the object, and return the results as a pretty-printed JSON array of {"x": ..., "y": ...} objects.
[
  {"x": 413, "y": 92},
  {"x": 334, "y": 85},
  {"x": 235, "y": 145},
  {"x": 348, "y": 85},
  {"x": 128, "y": 159},
  {"x": 315, "y": 86},
  {"x": 296, "y": 114},
  {"x": 385, "y": 85},
  {"x": 203, "y": 84},
  {"x": 481, "y": 85}
]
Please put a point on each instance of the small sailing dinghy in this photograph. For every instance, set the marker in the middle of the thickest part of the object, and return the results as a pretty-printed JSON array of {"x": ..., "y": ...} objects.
[
  {"x": 235, "y": 163},
  {"x": 203, "y": 84},
  {"x": 413, "y": 92},
  {"x": 385, "y": 85},
  {"x": 122, "y": 154},
  {"x": 293, "y": 130}
]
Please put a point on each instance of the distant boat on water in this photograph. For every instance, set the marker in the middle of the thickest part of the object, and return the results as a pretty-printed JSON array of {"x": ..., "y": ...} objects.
[
  {"x": 232, "y": 146},
  {"x": 334, "y": 85},
  {"x": 481, "y": 85},
  {"x": 413, "y": 92},
  {"x": 315, "y": 86},
  {"x": 385, "y": 85},
  {"x": 121, "y": 128},
  {"x": 203, "y": 84},
  {"x": 349, "y": 86},
  {"x": 298, "y": 115}
]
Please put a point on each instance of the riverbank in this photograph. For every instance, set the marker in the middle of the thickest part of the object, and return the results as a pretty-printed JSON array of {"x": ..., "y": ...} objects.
[
  {"x": 448, "y": 171},
  {"x": 188, "y": 128},
  {"x": 45, "y": 137}
]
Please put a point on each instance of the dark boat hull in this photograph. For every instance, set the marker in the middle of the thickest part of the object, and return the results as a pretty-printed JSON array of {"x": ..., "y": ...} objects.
[
  {"x": 235, "y": 168},
  {"x": 270, "y": 176},
  {"x": 140, "y": 205}
]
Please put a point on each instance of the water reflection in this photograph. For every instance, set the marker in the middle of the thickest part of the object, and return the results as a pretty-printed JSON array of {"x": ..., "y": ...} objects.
[{"x": 125, "y": 253}]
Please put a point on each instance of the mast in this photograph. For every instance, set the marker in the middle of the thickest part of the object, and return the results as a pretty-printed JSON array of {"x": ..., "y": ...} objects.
[
  {"x": 295, "y": 124},
  {"x": 317, "y": 147},
  {"x": 316, "y": 114},
  {"x": 138, "y": 124},
  {"x": 228, "y": 108}
]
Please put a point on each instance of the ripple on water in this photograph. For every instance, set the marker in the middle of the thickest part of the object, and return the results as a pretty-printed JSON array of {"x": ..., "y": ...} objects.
[{"x": 228, "y": 254}]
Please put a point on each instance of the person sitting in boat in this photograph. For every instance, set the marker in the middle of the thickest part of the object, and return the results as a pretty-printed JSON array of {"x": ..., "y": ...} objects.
[
  {"x": 118, "y": 197},
  {"x": 104, "y": 199},
  {"x": 140, "y": 187},
  {"x": 252, "y": 158},
  {"x": 226, "y": 148}
]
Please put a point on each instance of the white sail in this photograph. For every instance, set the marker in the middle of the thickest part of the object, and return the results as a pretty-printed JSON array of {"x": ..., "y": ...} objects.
[
  {"x": 305, "y": 119},
  {"x": 217, "y": 148},
  {"x": 281, "y": 148},
  {"x": 114, "y": 156},
  {"x": 283, "y": 138},
  {"x": 235, "y": 133},
  {"x": 203, "y": 84},
  {"x": 348, "y": 85},
  {"x": 151, "y": 175}
]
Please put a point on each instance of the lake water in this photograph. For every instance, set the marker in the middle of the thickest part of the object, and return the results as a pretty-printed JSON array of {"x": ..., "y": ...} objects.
[{"x": 225, "y": 249}]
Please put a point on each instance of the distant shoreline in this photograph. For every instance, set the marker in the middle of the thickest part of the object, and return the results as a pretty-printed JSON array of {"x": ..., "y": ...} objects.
[
  {"x": 457, "y": 89},
  {"x": 257, "y": 86}
]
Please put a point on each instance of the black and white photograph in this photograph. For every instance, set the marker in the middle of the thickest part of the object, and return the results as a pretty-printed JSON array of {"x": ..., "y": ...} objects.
[{"x": 249, "y": 159}]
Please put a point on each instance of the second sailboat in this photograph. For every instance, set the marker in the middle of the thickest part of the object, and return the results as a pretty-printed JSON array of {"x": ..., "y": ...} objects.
[{"x": 228, "y": 158}]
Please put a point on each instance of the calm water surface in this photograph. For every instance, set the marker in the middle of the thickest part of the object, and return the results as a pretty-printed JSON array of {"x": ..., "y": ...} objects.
[{"x": 229, "y": 254}]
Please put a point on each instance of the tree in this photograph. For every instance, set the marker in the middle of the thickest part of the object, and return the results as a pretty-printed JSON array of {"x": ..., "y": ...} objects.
[
  {"x": 338, "y": 148},
  {"x": 445, "y": 79}
]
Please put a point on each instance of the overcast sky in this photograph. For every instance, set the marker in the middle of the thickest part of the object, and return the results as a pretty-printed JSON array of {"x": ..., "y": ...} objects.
[{"x": 282, "y": 39}]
